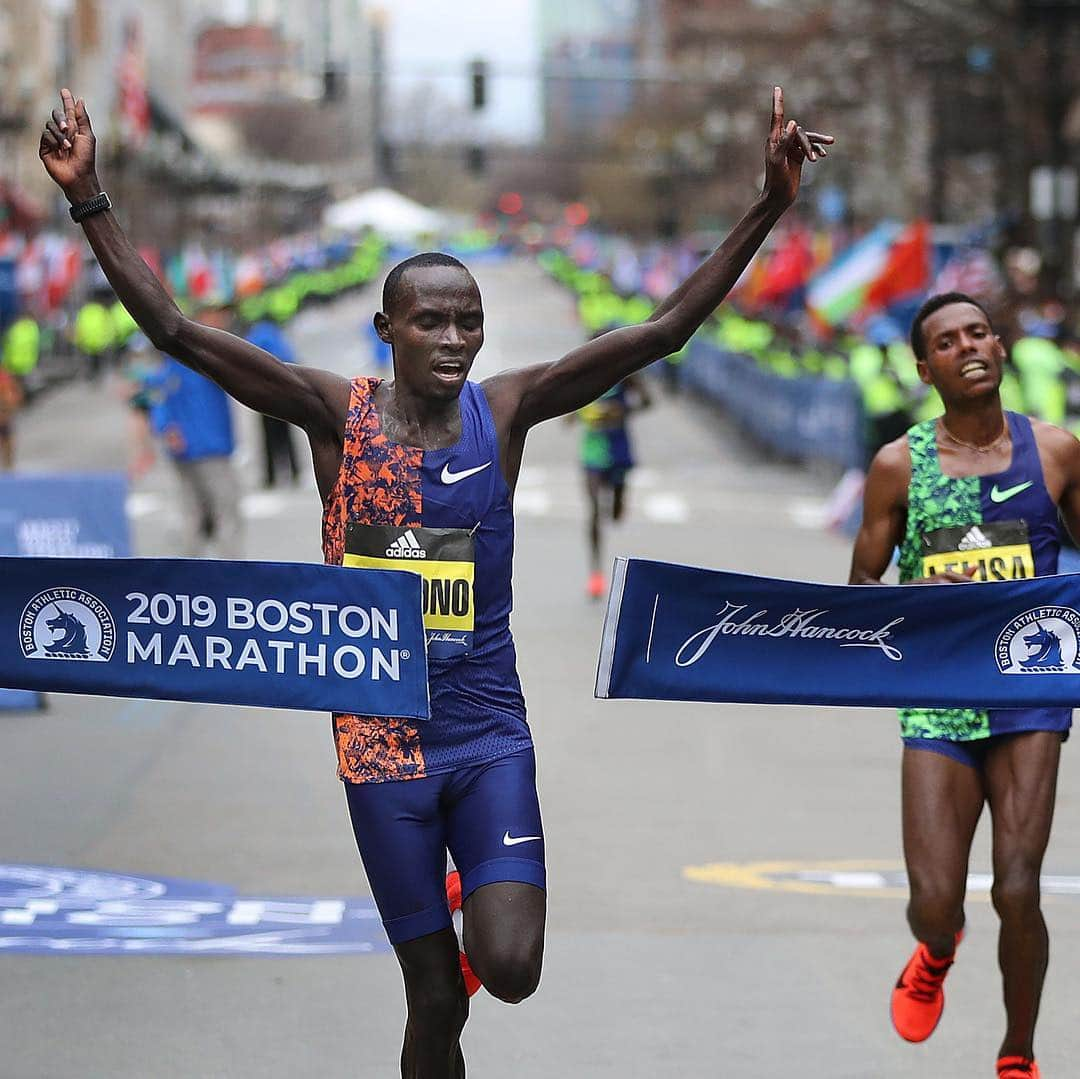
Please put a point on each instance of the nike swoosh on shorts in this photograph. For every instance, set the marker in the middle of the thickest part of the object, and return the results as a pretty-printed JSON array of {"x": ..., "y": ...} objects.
[{"x": 513, "y": 840}]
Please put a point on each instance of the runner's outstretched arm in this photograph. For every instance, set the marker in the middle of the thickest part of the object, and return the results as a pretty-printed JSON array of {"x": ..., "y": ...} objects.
[
  {"x": 885, "y": 519},
  {"x": 540, "y": 392},
  {"x": 884, "y": 514},
  {"x": 311, "y": 399}
]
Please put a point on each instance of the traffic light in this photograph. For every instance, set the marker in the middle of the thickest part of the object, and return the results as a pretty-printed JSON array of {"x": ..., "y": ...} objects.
[
  {"x": 478, "y": 77},
  {"x": 333, "y": 83},
  {"x": 476, "y": 160},
  {"x": 386, "y": 156}
]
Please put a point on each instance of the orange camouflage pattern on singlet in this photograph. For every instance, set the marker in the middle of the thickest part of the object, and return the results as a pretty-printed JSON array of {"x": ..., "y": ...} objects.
[{"x": 379, "y": 484}]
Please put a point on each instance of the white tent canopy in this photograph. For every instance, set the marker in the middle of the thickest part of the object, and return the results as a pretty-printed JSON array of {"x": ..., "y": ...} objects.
[{"x": 386, "y": 211}]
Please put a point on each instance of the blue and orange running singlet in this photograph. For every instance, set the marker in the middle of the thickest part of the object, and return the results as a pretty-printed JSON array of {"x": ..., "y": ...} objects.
[{"x": 447, "y": 515}]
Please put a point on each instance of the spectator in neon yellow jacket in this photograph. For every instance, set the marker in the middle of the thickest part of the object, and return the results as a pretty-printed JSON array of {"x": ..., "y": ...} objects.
[
  {"x": 22, "y": 346},
  {"x": 94, "y": 335}
]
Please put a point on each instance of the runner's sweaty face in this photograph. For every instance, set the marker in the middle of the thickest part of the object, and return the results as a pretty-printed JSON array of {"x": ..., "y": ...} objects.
[
  {"x": 436, "y": 329},
  {"x": 964, "y": 357}
]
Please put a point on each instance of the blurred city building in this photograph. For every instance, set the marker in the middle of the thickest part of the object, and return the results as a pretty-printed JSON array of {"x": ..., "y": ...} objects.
[
  {"x": 192, "y": 101},
  {"x": 241, "y": 118},
  {"x": 591, "y": 52}
]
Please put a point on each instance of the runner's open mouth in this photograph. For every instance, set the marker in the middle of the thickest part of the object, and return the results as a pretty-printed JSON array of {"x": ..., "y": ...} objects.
[{"x": 449, "y": 368}]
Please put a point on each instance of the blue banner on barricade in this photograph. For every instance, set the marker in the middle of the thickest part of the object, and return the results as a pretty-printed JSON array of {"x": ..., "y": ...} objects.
[
  {"x": 70, "y": 516},
  {"x": 684, "y": 634},
  {"x": 278, "y": 635},
  {"x": 805, "y": 418},
  {"x": 73, "y": 516}
]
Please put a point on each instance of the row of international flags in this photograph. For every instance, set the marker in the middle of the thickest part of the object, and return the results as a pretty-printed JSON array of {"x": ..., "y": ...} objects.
[{"x": 891, "y": 265}]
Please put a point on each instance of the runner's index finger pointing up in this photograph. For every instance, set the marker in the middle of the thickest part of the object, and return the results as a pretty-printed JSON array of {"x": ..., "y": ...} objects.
[
  {"x": 68, "y": 101},
  {"x": 777, "y": 114}
]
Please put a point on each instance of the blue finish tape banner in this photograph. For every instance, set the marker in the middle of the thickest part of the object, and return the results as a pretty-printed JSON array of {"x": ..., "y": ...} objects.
[
  {"x": 278, "y": 635},
  {"x": 684, "y": 634},
  {"x": 805, "y": 418}
]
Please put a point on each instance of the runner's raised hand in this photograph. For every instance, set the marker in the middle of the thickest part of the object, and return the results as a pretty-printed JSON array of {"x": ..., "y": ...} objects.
[
  {"x": 67, "y": 149},
  {"x": 786, "y": 148}
]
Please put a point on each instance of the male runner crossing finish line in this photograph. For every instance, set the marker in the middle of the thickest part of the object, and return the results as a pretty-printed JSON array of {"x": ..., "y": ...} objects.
[
  {"x": 973, "y": 494},
  {"x": 419, "y": 473}
]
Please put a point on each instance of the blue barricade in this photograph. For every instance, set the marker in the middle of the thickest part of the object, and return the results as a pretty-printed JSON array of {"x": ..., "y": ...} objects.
[
  {"x": 277, "y": 635},
  {"x": 804, "y": 418},
  {"x": 686, "y": 634},
  {"x": 71, "y": 515}
]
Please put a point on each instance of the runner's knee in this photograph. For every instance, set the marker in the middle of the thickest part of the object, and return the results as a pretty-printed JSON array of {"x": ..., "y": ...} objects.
[
  {"x": 1015, "y": 892},
  {"x": 512, "y": 975},
  {"x": 936, "y": 903}
]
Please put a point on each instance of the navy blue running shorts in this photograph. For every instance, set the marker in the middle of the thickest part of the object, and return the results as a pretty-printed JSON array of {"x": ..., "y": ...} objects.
[
  {"x": 487, "y": 816},
  {"x": 971, "y": 753}
]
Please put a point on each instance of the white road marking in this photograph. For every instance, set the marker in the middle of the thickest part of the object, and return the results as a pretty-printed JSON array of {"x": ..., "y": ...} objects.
[{"x": 666, "y": 508}]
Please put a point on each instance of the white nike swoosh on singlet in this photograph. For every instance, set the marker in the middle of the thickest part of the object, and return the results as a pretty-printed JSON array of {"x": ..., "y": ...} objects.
[
  {"x": 454, "y": 477},
  {"x": 513, "y": 841}
]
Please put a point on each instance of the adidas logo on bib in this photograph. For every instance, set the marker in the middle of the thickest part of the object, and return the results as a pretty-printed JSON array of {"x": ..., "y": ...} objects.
[
  {"x": 406, "y": 546},
  {"x": 974, "y": 540}
]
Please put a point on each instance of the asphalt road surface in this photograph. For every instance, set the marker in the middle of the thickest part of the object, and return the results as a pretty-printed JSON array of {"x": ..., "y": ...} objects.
[{"x": 668, "y": 953}]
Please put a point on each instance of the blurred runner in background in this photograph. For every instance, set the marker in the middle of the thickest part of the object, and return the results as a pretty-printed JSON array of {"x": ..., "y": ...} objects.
[{"x": 607, "y": 458}]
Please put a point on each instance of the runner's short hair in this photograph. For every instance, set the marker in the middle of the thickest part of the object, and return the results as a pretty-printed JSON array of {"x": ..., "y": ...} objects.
[
  {"x": 936, "y": 303},
  {"x": 392, "y": 285}
]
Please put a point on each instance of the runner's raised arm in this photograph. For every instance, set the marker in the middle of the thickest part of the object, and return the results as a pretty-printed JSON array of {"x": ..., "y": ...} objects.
[
  {"x": 540, "y": 392},
  {"x": 312, "y": 399}
]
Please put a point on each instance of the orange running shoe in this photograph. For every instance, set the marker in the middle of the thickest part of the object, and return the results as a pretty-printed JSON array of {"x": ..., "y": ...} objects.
[
  {"x": 918, "y": 999},
  {"x": 597, "y": 585},
  {"x": 1017, "y": 1068},
  {"x": 453, "y": 898}
]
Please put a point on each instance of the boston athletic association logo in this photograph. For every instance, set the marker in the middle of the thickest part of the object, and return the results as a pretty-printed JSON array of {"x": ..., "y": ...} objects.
[
  {"x": 67, "y": 623},
  {"x": 1044, "y": 640}
]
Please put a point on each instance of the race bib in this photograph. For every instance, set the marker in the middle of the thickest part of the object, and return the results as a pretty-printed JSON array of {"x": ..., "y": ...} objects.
[
  {"x": 999, "y": 551},
  {"x": 444, "y": 559}
]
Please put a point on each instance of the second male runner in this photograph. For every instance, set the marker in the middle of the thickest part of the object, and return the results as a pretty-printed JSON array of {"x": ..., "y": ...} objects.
[{"x": 973, "y": 494}]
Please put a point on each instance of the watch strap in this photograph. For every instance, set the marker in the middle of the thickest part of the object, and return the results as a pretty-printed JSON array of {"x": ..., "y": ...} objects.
[{"x": 96, "y": 205}]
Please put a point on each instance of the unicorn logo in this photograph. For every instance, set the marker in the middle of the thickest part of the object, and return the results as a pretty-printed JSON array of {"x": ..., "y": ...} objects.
[
  {"x": 70, "y": 634},
  {"x": 1044, "y": 640},
  {"x": 1044, "y": 648},
  {"x": 67, "y": 623}
]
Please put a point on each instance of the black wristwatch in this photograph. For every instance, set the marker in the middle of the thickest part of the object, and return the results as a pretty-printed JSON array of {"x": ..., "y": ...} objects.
[{"x": 92, "y": 206}]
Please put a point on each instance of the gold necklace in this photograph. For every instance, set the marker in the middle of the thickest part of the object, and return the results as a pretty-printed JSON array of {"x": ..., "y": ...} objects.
[{"x": 985, "y": 448}]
